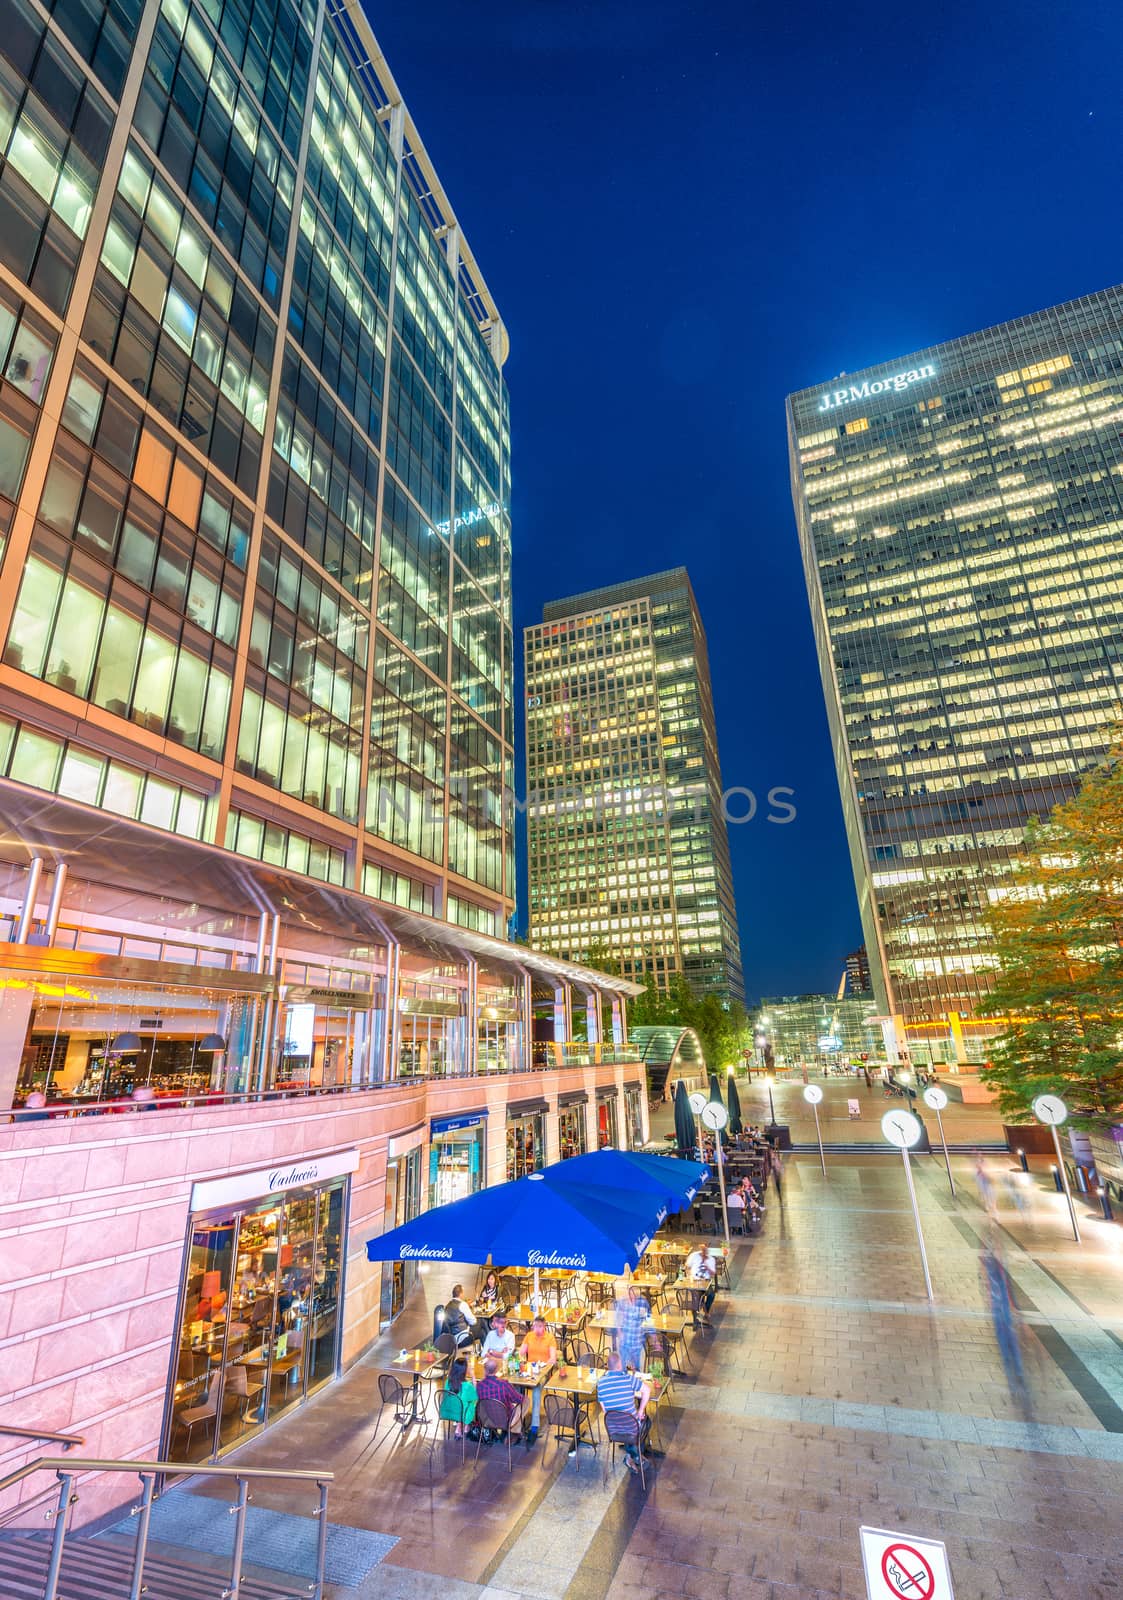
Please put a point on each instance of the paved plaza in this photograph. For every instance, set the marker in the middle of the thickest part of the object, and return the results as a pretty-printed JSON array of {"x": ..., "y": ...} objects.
[{"x": 829, "y": 1395}]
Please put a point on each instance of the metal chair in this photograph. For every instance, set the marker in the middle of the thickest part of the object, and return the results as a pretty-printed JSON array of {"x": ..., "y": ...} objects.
[
  {"x": 494, "y": 1414},
  {"x": 581, "y": 1354},
  {"x": 192, "y": 1416},
  {"x": 451, "y": 1413},
  {"x": 659, "y": 1346},
  {"x": 568, "y": 1331},
  {"x": 689, "y": 1300},
  {"x": 624, "y": 1428},
  {"x": 445, "y": 1345},
  {"x": 392, "y": 1391},
  {"x": 708, "y": 1216},
  {"x": 509, "y": 1289}
]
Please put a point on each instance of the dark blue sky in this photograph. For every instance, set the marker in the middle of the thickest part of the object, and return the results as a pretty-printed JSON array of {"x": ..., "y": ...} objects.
[{"x": 686, "y": 211}]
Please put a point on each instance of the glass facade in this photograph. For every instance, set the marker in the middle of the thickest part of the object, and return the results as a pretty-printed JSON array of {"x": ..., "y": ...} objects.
[
  {"x": 257, "y": 515},
  {"x": 456, "y": 1159},
  {"x": 960, "y": 513},
  {"x": 819, "y": 1030},
  {"x": 626, "y": 829},
  {"x": 572, "y": 1136},
  {"x": 259, "y": 1316},
  {"x": 526, "y": 1143}
]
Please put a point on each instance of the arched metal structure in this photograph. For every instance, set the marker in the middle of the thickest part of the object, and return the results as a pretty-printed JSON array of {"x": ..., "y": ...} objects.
[{"x": 664, "y": 1048}]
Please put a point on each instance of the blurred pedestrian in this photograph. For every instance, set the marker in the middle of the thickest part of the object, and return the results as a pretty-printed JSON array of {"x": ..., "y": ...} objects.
[
  {"x": 1001, "y": 1298},
  {"x": 985, "y": 1185}
]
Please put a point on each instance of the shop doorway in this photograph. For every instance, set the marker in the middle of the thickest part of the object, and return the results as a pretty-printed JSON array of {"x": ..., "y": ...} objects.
[{"x": 260, "y": 1317}]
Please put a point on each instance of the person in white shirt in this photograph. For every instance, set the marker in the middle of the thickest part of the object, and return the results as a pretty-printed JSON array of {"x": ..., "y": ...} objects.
[
  {"x": 702, "y": 1268},
  {"x": 735, "y": 1200},
  {"x": 500, "y": 1340}
]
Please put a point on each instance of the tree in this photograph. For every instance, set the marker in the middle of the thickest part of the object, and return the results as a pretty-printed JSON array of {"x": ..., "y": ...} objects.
[{"x": 1058, "y": 939}]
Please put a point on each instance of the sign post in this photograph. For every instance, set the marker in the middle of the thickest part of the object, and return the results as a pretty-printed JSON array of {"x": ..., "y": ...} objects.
[
  {"x": 936, "y": 1099},
  {"x": 902, "y": 1129},
  {"x": 813, "y": 1094},
  {"x": 1052, "y": 1111},
  {"x": 904, "y": 1565}
]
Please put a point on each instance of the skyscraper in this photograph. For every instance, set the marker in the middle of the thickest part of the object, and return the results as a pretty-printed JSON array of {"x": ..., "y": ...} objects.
[
  {"x": 960, "y": 514},
  {"x": 253, "y": 451},
  {"x": 626, "y": 825}
]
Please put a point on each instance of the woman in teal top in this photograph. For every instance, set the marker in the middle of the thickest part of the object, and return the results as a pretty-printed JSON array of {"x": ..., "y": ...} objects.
[{"x": 458, "y": 1401}]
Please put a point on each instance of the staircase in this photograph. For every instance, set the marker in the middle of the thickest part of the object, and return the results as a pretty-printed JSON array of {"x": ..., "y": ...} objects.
[{"x": 97, "y": 1569}]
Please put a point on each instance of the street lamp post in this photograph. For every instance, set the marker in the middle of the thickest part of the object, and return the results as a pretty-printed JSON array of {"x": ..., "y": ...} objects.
[
  {"x": 714, "y": 1117},
  {"x": 813, "y": 1094},
  {"x": 902, "y": 1129},
  {"x": 936, "y": 1099},
  {"x": 1052, "y": 1111}
]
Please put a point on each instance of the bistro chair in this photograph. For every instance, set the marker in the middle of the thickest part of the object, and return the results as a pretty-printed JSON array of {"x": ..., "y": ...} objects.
[
  {"x": 569, "y": 1426},
  {"x": 452, "y": 1416},
  {"x": 238, "y": 1387},
  {"x": 622, "y": 1428},
  {"x": 509, "y": 1291},
  {"x": 659, "y": 1346},
  {"x": 445, "y": 1345},
  {"x": 581, "y": 1354},
  {"x": 191, "y": 1417},
  {"x": 570, "y": 1330},
  {"x": 391, "y": 1391},
  {"x": 689, "y": 1300},
  {"x": 494, "y": 1414},
  {"x": 708, "y": 1216},
  {"x": 599, "y": 1294}
]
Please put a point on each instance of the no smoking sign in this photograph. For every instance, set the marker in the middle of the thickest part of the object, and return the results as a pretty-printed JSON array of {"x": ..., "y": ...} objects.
[{"x": 904, "y": 1566}]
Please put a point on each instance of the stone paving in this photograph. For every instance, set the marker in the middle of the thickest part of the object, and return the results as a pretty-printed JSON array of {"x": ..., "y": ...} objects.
[{"x": 830, "y": 1394}]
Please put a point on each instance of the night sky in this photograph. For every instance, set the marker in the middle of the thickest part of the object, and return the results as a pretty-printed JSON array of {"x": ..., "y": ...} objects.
[{"x": 684, "y": 213}]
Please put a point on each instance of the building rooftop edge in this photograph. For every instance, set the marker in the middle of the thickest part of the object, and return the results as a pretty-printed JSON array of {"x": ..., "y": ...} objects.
[
  {"x": 944, "y": 344},
  {"x": 570, "y": 604},
  {"x": 374, "y": 71}
]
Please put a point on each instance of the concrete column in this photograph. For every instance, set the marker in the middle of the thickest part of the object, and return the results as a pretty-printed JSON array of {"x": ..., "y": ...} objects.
[
  {"x": 392, "y": 1030},
  {"x": 472, "y": 1018},
  {"x": 563, "y": 1013},
  {"x": 958, "y": 1041},
  {"x": 54, "y": 909},
  {"x": 619, "y": 1020},
  {"x": 30, "y": 896},
  {"x": 527, "y": 1008},
  {"x": 593, "y": 1017}
]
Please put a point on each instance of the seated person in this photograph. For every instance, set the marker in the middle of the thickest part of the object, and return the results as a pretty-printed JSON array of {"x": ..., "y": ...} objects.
[
  {"x": 619, "y": 1391},
  {"x": 537, "y": 1346},
  {"x": 500, "y": 1341},
  {"x": 489, "y": 1301},
  {"x": 458, "y": 1400},
  {"x": 460, "y": 1319},
  {"x": 493, "y": 1387}
]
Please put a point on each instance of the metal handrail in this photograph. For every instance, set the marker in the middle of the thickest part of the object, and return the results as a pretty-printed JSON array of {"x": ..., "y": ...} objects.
[
  {"x": 43, "y": 1436},
  {"x": 148, "y": 1472}
]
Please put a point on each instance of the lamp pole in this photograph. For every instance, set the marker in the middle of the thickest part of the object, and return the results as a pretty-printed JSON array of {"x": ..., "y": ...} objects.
[{"x": 813, "y": 1094}]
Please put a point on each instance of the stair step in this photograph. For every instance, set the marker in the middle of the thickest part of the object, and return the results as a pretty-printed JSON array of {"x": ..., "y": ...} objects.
[{"x": 93, "y": 1569}]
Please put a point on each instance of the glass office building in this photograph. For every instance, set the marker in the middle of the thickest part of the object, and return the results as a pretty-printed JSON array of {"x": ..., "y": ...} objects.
[
  {"x": 626, "y": 827},
  {"x": 960, "y": 514},
  {"x": 254, "y": 452}
]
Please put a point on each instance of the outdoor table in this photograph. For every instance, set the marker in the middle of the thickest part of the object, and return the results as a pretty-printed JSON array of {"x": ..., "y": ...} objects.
[
  {"x": 524, "y": 1378},
  {"x": 415, "y": 1362},
  {"x": 580, "y": 1384},
  {"x": 551, "y": 1315},
  {"x": 672, "y": 1322}
]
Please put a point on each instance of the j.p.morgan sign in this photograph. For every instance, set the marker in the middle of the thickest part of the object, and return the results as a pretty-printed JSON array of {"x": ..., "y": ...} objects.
[
  {"x": 301, "y": 1174},
  {"x": 869, "y": 391}
]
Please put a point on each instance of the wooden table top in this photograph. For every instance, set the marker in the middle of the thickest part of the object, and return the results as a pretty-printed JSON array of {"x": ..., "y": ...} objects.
[
  {"x": 523, "y": 1379},
  {"x": 660, "y": 1322},
  {"x": 581, "y": 1383},
  {"x": 416, "y": 1363},
  {"x": 685, "y": 1247},
  {"x": 551, "y": 1315}
]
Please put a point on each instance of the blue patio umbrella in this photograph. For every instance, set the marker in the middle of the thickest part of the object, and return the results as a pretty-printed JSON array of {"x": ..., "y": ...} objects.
[
  {"x": 527, "y": 1223},
  {"x": 625, "y": 1172}
]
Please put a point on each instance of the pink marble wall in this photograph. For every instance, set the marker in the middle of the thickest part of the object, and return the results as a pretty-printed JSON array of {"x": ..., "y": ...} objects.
[{"x": 93, "y": 1226}]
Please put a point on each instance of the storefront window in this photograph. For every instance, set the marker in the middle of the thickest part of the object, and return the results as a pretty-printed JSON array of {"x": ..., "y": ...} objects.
[
  {"x": 572, "y": 1139},
  {"x": 456, "y": 1158},
  {"x": 259, "y": 1316},
  {"x": 525, "y": 1145},
  {"x": 606, "y": 1124},
  {"x": 403, "y": 1203},
  {"x": 633, "y": 1111}
]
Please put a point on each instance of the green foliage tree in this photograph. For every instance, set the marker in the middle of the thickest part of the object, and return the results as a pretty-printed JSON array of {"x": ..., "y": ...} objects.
[{"x": 1057, "y": 935}]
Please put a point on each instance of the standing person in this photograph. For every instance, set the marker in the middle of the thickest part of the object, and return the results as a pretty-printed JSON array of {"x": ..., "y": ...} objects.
[
  {"x": 619, "y": 1391},
  {"x": 1002, "y": 1310},
  {"x": 985, "y": 1185},
  {"x": 702, "y": 1268},
  {"x": 538, "y": 1346},
  {"x": 632, "y": 1311},
  {"x": 778, "y": 1171}
]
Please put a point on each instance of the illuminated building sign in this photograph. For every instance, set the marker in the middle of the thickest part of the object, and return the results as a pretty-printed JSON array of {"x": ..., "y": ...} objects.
[
  {"x": 869, "y": 391},
  {"x": 470, "y": 518}
]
